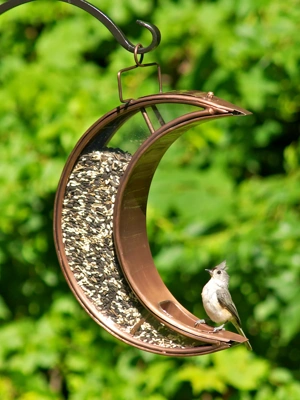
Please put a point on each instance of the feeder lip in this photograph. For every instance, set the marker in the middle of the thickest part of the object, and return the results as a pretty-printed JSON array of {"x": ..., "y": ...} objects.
[{"x": 130, "y": 231}]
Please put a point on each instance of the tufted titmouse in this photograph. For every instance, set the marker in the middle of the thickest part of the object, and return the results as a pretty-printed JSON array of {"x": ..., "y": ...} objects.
[{"x": 217, "y": 301}]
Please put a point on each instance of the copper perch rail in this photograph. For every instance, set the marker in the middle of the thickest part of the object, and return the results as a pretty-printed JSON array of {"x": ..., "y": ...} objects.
[{"x": 130, "y": 217}]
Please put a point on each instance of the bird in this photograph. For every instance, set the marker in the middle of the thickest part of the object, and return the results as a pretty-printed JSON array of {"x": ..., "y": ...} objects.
[{"x": 218, "y": 303}]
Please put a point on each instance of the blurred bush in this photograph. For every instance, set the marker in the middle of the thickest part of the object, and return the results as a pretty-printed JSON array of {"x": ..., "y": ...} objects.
[{"x": 232, "y": 193}]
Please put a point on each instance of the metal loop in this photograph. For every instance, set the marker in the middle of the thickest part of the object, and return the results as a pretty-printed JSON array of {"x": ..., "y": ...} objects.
[
  {"x": 138, "y": 62},
  {"x": 105, "y": 20}
]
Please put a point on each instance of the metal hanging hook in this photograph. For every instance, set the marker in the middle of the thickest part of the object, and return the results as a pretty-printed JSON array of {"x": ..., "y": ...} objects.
[{"x": 105, "y": 20}]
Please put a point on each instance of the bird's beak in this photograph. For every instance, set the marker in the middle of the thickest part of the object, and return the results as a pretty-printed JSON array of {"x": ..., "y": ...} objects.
[{"x": 209, "y": 271}]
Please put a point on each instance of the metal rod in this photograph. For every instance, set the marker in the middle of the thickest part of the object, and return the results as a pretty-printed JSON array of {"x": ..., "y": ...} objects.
[
  {"x": 158, "y": 115},
  {"x": 147, "y": 119},
  {"x": 105, "y": 20}
]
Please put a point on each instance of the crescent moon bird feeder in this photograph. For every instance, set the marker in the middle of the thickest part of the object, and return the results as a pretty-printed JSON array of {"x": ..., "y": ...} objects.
[{"x": 100, "y": 214}]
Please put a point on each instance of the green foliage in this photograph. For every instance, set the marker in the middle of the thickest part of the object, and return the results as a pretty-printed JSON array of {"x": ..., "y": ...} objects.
[{"x": 226, "y": 190}]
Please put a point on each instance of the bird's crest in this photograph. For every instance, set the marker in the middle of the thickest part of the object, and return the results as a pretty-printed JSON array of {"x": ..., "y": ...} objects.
[{"x": 222, "y": 266}]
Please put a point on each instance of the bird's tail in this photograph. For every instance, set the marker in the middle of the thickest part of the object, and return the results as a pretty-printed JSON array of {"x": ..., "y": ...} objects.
[{"x": 241, "y": 332}]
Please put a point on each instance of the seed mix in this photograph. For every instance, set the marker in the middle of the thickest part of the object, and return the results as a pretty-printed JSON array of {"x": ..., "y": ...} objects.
[{"x": 87, "y": 226}]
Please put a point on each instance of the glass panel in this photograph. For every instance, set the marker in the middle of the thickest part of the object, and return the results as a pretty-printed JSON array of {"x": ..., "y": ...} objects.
[
  {"x": 175, "y": 110},
  {"x": 131, "y": 134},
  {"x": 134, "y": 132}
]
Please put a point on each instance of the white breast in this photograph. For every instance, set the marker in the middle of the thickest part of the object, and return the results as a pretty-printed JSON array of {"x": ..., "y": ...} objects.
[{"x": 211, "y": 304}]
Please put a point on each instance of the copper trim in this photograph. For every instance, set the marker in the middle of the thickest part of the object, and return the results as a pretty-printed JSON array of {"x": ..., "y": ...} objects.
[{"x": 130, "y": 223}]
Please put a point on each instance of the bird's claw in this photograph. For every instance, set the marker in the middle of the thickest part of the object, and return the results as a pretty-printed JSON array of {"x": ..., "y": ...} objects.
[
  {"x": 218, "y": 329},
  {"x": 199, "y": 322}
]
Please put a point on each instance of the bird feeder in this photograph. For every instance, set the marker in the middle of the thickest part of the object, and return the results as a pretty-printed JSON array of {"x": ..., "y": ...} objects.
[{"x": 100, "y": 212}]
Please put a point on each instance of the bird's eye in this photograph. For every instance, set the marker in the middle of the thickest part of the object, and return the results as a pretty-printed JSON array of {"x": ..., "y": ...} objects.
[{"x": 219, "y": 272}]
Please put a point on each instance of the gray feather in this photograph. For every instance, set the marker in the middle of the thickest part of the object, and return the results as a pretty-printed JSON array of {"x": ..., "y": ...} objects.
[
  {"x": 225, "y": 300},
  {"x": 241, "y": 332}
]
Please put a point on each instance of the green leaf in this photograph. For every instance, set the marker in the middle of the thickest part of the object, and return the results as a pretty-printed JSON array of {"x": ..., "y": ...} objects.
[
  {"x": 202, "y": 379},
  {"x": 240, "y": 369}
]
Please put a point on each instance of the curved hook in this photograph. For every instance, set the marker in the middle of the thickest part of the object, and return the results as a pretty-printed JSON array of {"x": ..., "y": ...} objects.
[{"x": 106, "y": 21}]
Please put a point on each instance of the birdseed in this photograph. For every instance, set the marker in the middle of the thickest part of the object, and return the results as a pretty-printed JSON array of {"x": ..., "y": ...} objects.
[{"x": 87, "y": 227}]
